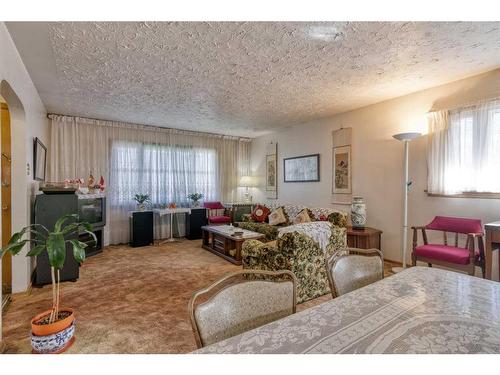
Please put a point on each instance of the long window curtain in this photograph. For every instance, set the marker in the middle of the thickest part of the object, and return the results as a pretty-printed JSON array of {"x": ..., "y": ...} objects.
[
  {"x": 167, "y": 164},
  {"x": 464, "y": 149}
]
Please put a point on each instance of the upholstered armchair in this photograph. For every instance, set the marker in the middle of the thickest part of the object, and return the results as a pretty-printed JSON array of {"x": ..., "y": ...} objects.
[
  {"x": 298, "y": 253},
  {"x": 463, "y": 258},
  {"x": 217, "y": 213}
]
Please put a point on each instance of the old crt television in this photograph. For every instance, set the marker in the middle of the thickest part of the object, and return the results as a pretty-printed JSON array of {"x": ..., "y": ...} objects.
[{"x": 92, "y": 210}]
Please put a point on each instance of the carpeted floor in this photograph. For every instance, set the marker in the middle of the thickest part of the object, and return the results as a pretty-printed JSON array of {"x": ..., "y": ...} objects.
[{"x": 128, "y": 300}]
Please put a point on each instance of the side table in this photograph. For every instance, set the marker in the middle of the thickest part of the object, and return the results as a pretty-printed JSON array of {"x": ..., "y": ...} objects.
[{"x": 367, "y": 238}]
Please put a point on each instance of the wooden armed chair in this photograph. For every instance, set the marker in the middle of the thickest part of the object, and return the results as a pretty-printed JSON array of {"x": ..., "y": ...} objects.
[{"x": 453, "y": 256}]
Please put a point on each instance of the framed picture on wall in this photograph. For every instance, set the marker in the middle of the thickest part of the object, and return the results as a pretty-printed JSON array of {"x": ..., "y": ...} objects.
[
  {"x": 272, "y": 171},
  {"x": 301, "y": 168},
  {"x": 39, "y": 160},
  {"x": 342, "y": 170}
]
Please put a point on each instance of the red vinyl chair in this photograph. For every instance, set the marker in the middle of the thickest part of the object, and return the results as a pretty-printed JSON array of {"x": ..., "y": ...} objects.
[
  {"x": 216, "y": 213},
  {"x": 453, "y": 256}
]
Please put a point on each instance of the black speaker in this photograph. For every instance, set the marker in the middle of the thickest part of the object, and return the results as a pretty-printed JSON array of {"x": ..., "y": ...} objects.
[
  {"x": 194, "y": 221},
  {"x": 48, "y": 209},
  {"x": 141, "y": 228}
]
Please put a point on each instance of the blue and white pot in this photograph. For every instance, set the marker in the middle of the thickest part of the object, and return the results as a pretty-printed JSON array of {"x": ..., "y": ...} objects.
[
  {"x": 54, "y": 343},
  {"x": 358, "y": 213}
]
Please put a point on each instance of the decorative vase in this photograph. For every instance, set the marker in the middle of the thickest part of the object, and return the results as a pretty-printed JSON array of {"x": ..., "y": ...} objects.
[
  {"x": 196, "y": 204},
  {"x": 358, "y": 213}
]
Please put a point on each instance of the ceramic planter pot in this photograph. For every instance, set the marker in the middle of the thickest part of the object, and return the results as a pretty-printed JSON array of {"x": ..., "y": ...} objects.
[
  {"x": 55, "y": 343},
  {"x": 55, "y": 337},
  {"x": 141, "y": 207}
]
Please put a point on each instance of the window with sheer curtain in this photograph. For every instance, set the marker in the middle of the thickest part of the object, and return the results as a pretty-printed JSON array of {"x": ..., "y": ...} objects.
[
  {"x": 167, "y": 173},
  {"x": 464, "y": 150},
  {"x": 168, "y": 164}
]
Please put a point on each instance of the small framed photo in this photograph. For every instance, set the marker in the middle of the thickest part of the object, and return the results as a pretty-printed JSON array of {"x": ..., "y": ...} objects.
[
  {"x": 301, "y": 168},
  {"x": 342, "y": 170}
]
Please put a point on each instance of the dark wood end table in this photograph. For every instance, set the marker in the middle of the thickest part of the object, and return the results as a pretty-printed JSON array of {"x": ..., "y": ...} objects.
[
  {"x": 219, "y": 240},
  {"x": 367, "y": 238}
]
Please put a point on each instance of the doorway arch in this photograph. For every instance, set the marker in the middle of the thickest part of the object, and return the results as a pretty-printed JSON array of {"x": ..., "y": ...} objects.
[
  {"x": 20, "y": 198},
  {"x": 5, "y": 199}
]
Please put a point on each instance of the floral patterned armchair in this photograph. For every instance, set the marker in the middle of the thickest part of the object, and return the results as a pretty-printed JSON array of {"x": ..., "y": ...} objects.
[{"x": 300, "y": 254}]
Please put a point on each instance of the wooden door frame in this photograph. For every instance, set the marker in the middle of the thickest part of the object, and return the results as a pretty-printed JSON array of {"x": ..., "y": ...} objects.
[{"x": 6, "y": 222}]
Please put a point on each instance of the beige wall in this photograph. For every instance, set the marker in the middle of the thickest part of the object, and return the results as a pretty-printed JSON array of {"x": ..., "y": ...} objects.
[
  {"x": 28, "y": 120},
  {"x": 377, "y": 159}
]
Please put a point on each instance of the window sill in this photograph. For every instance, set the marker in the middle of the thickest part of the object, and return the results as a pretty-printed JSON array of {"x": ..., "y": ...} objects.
[{"x": 470, "y": 194}]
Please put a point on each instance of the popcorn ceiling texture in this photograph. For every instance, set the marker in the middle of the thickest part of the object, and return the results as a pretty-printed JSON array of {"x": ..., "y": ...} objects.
[{"x": 251, "y": 78}]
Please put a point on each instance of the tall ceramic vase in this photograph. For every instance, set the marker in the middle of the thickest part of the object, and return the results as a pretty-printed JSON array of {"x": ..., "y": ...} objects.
[{"x": 358, "y": 213}]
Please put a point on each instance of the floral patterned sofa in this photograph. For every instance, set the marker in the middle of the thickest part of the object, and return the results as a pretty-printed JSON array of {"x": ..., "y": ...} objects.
[
  {"x": 301, "y": 254},
  {"x": 336, "y": 217}
]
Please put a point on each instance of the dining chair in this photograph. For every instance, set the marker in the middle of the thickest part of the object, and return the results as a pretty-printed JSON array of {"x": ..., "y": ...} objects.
[
  {"x": 239, "y": 302},
  {"x": 462, "y": 258},
  {"x": 353, "y": 269}
]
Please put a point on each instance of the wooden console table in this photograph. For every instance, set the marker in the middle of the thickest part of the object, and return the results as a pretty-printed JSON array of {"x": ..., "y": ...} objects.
[
  {"x": 219, "y": 240},
  {"x": 492, "y": 243},
  {"x": 367, "y": 238}
]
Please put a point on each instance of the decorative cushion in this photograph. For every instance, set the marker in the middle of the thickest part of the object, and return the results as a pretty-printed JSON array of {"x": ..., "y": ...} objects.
[
  {"x": 302, "y": 217},
  {"x": 291, "y": 211},
  {"x": 260, "y": 213},
  {"x": 277, "y": 217},
  {"x": 450, "y": 254},
  {"x": 338, "y": 218}
]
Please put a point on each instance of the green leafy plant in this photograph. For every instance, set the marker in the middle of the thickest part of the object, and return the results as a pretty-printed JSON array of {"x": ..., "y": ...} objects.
[
  {"x": 195, "y": 197},
  {"x": 142, "y": 198},
  {"x": 54, "y": 243}
]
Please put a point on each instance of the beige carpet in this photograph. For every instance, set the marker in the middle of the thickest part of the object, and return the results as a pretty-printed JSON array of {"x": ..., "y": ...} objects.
[{"x": 128, "y": 300}]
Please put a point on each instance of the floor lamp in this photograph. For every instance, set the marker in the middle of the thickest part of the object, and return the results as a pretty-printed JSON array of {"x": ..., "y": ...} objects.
[{"x": 405, "y": 138}]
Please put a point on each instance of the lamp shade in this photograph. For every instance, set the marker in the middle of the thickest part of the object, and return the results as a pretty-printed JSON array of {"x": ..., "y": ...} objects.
[
  {"x": 406, "y": 136},
  {"x": 247, "y": 181}
]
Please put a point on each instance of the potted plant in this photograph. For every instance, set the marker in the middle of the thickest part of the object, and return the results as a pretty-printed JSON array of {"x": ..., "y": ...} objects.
[
  {"x": 195, "y": 197},
  {"x": 142, "y": 200},
  {"x": 53, "y": 330}
]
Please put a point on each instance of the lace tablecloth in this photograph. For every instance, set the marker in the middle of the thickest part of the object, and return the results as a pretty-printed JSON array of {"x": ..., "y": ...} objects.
[{"x": 420, "y": 310}]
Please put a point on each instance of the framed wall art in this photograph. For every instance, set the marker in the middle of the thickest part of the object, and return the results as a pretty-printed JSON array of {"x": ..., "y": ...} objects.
[
  {"x": 301, "y": 168},
  {"x": 342, "y": 170},
  {"x": 272, "y": 171}
]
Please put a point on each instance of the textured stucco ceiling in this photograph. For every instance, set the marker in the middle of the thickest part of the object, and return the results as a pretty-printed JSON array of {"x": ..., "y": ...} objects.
[{"x": 245, "y": 78}]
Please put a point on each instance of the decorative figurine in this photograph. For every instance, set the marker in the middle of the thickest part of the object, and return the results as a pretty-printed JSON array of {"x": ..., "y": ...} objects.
[
  {"x": 91, "y": 183},
  {"x": 102, "y": 185}
]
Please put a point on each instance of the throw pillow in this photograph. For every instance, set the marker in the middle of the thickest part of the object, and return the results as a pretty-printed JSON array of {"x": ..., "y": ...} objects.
[
  {"x": 277, "y": 216},
  {"x": 302, "y": 217},
  {"x": 260, "y": 213}
]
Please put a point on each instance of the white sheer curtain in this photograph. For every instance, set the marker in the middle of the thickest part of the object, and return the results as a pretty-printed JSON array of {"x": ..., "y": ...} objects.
[
  {"x": 167, "y": 164},
  {"x": 464, "y": 149}
]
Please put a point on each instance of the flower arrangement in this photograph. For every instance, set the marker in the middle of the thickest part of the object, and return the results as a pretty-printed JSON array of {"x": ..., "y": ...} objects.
[
  {"x": 142, "y": 200},
  {"x": 195, "y": 197}
]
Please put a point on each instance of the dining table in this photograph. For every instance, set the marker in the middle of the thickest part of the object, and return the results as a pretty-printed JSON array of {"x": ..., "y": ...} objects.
[{"x": 421, "y": 310}]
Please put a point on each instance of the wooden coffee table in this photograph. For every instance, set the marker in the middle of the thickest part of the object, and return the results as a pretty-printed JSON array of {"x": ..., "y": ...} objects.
[{"x": 219, "y": 240}]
